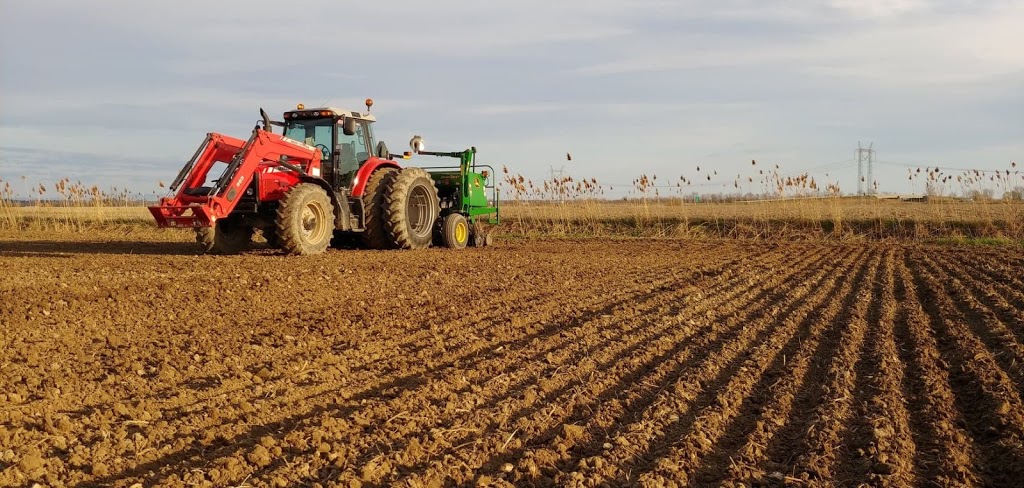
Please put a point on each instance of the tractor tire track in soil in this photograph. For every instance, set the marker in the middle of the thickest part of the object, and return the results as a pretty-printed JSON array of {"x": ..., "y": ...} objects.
[{"x": 541, "y": 363}]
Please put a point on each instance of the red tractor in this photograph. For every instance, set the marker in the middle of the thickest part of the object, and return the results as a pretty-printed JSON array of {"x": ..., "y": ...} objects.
[{"x": 324, "y": 178}]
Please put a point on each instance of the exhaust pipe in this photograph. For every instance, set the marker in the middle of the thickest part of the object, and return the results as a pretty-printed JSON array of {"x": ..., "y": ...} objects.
[{"x": 266, "y": 120}]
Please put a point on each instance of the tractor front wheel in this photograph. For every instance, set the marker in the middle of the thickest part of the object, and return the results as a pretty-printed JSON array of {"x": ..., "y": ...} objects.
[
  {"x": 411, "y": 208},
  {"x": 305, "y": 220},
  {"x": 225, "y": 237},
  {"x": 455, "y": 231}
]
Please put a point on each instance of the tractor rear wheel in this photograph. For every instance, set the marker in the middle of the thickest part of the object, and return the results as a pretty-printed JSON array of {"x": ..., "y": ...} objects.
[
  {"x": 225, "y": 237},
  {"x": 305, "y": 220},
  {"x": 411, "y": 208},
  {"x": 375, "y": 234},
  {"x": 455, "y": 231}
]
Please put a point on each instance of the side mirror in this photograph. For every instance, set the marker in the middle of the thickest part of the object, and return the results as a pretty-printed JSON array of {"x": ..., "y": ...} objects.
[
  {"x": 382, "y": 150},
  {"x": 349, "y": 126}
]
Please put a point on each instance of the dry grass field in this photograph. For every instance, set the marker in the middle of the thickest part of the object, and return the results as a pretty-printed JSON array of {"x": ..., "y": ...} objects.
[{"x": 794, "y": 219}]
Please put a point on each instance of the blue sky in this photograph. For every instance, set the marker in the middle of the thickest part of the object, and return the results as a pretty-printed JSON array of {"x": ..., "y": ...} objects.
[{"x": 119, "y": 92}]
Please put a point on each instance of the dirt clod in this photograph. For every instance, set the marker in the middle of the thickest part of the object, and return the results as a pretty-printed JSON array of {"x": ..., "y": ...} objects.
[{"x": 259, "y": 456}]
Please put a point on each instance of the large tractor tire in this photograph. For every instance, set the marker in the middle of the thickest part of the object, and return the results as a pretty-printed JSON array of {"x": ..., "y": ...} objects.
[
  {"x": 375, "y": 235},
  {"x": 305, "y": 220},
  {"x": 411, "y": 208},
  {"x": 225, "y": 237},
  {"x": 455, "y": 231}
]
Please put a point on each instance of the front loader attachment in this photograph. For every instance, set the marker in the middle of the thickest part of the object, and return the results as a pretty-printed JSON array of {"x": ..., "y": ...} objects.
[
  {"x": 211, "y": 183},
  {"x": 192, "y": 206}
]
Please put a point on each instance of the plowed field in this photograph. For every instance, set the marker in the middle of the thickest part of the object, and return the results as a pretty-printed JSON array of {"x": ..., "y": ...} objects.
[{"x": 586, "y": 363}]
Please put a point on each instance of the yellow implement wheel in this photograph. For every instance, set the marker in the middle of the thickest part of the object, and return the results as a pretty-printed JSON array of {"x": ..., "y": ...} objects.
[
  {"x": 455, "y": 231},
  {"x": 461, "y": 232}
]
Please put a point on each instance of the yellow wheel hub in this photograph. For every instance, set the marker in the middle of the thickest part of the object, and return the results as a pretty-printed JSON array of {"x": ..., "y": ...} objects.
[{"x": 461, "y": 232}]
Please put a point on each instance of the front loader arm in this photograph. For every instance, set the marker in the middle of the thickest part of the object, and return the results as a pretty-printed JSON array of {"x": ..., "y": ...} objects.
[{"x": 195, "y": 205}]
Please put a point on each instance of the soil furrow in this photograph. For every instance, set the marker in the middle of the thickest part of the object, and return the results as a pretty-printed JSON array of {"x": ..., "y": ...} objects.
[
  {"x": 743, "y": 454},
  {"x": 533, "y": 363},
  {"x": 810, "y": 440},
  {"x": 985, "y": 395},
  {"x": 987, "y": 320},
  {"x": 996, "y": 266},
  {"x": 945, "y": 450},
  {"x": 879, "y": 446},
  {"x": 269, "y": 354},
  {"x": 673, "y": 401},
  {"x": 480, "y": 422},
  {"x": 320, "y": 411},
  {"x": 692, "y": 459}
]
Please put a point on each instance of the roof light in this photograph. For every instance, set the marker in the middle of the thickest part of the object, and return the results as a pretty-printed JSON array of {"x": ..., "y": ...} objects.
[
  {"x": 300, "y": 106},
  {"x": 369, "y": 103},
  {"x": 316, "y": 114}
]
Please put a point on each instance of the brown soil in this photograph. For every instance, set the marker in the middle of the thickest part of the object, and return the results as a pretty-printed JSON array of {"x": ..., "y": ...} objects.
[{"x": 540, "y": 363}]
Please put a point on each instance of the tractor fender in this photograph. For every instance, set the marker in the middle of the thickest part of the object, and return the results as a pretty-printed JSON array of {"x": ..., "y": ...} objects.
[
  {"x": 363, "y": 175},
  {"x": 341, "y": 209}
]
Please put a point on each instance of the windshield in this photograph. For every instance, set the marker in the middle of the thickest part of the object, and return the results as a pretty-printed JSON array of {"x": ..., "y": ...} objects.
[{"x": 313, "y": 132}]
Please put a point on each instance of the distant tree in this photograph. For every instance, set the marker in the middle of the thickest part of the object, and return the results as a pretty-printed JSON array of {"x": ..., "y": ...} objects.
[
  {"x": 981, "y": 195},
  {"x": 1017, "y": 194}
]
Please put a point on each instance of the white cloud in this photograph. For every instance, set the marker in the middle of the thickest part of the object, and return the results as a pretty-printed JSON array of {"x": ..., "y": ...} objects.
[
  {"x": 937, "y": 48},
  {"x": 609, "y": 108},
  {"x": 879, "y": 8}
]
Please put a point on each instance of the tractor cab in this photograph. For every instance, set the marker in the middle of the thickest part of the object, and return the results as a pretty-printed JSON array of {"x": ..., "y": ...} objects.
[{"x": 344, "y": 138}]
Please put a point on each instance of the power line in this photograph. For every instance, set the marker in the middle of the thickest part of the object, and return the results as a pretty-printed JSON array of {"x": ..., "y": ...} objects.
[
  {"x": 948, "y": 168},
  {"x": 823, "y": 168}
]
